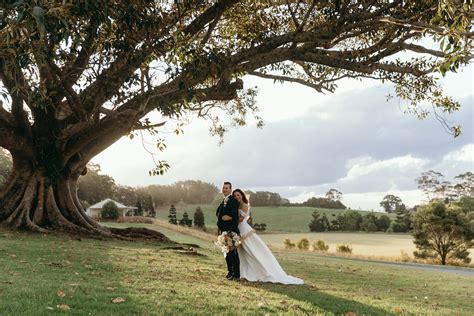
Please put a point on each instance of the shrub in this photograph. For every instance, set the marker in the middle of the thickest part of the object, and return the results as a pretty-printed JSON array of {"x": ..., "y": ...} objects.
[
  {"x": 199, "y": 218},
  {"x": 320, "y": 246},
  {"x": 109, "y": 211},
  {"x": 288, "y": 244},
  {"x": 398, "y": 227},
  {"x": 185, "y": 221},
  {"x": 369, "y": 223},
  {"x": 404, "y": 256},
  {"x": 344, "y": 248},
  {"x": 348, "y": 221},
  {"x": 303, "y": 244},
  {"x": 172, "y": 217},
  {"x": 260, "y": 227},
  {"x": 383, "y": 223},
  {"x": 319, "y": 224}
]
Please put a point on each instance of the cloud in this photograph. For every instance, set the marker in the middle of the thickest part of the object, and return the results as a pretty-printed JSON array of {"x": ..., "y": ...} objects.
[{"x": 456, "y": 162}]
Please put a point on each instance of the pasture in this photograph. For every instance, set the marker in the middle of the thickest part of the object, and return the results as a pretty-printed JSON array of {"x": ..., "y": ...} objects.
[{"x": 364, "y": 244}]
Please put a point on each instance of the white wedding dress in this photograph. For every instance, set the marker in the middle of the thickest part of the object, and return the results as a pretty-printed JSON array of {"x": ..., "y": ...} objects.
[{"x": 257, "y": 262}]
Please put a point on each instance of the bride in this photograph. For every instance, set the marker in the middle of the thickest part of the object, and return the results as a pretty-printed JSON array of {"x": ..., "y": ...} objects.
[{"x": 257, "y": 262}]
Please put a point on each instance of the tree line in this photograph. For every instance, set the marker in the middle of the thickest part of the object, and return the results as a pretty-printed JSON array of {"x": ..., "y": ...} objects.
[
  {"x": 349, "y": 221},
  {"x": 95, "y": 187},
  {"x": 331, "y": 200}
]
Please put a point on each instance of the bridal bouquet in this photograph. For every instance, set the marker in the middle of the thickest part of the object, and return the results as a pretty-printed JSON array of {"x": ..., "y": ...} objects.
[{"x": 227, "y": 241}]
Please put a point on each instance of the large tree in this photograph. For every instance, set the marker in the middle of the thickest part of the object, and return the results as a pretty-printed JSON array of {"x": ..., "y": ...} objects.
[
  {"x": 390, "y": 203},
  {"x": 443, "y": 231},
  {"x": 78, "y": 75}
]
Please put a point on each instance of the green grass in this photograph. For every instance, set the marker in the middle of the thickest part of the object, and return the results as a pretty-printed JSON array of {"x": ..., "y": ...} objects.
[
  {"x": 278, "y": 219},
  {"x": 156, "y": 281}
]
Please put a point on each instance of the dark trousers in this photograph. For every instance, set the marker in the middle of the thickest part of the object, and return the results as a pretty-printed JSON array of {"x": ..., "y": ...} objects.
[{"x": 233, "y": 263}]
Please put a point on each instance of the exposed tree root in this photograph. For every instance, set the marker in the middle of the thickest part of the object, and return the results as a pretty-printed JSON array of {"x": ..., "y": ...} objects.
[
  {"x": 29, "y": 202},
  {"x": 140, "y": 232}
]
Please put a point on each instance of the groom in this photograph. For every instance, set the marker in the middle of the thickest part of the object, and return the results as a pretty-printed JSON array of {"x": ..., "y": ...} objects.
[{"x": 227, "y": 220}]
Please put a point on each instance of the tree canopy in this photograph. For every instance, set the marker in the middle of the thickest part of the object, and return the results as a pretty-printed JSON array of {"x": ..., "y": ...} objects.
[
  {"x": 77, "y": 75},
  {"x": 443, "y": 231}
]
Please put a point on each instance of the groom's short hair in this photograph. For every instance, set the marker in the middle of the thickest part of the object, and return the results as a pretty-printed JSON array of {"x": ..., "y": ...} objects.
[{"x": 228, "y": 183}]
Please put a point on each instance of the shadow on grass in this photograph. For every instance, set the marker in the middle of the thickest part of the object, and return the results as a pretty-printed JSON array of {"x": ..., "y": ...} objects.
[{"x": 324, "y": 302}]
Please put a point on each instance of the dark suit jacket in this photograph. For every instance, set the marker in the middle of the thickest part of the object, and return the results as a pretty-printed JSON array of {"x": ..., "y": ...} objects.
[{"x": 231, "y": 209}]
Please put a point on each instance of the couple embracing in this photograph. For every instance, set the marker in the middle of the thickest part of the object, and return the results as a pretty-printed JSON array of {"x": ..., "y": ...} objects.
[{"x": 252, "y": 260}]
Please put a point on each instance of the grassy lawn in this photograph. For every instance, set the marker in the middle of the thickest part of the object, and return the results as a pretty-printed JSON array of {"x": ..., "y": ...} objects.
[
  {"x": 39, "y": 273},
  {"x": 278, "y": 219}
]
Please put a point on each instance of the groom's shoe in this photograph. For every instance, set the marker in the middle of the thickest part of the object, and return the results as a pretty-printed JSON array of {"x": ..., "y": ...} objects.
[{"x": 229, "y": 276}]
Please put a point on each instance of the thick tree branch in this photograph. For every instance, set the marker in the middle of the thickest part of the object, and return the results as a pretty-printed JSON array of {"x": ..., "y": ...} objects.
[
  {"x": 6, "y": 118},
  {"x": 89, "y": 143},
  {"x": 112, "y": 79},
  {"x": 422, "y": 27},
  {"x": 307, "y": 83},
  {"x": 73, "y": 70},
  {"x": 423, "y": 50},
  {"x": 15, "y": 83}
]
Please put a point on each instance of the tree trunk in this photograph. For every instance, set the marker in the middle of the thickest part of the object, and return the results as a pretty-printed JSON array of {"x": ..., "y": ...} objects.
[
  {"x": 31, "y": 200},
  {"x": 443, "y": 258}
]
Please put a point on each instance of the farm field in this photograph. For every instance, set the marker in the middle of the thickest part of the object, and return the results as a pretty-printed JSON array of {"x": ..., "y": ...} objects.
[
  {"x": 278, "y": 219},
  {"x": 365, "y": 244}
]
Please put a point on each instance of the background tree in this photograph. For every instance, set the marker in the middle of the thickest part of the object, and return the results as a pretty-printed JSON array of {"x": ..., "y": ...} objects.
[
  {"x": 265, "y": 198},
  {"x": 319, "y": 223},
  {"x": 124, "y": 194},
  {"x": 466, "y": 204},
  {"x": 383, "y": 223},
  {"x": 324, "y": 203},
  {"x": 334, "y": 195},
  {"x": 465, "y": 185},
  {"x": 109, "y": 211},
  {"x": 390, "y": 203},
  {"x": 432, "y": 184},
  {"x": 442, "y": 231},
  {"x": 199, "y": 218},
  {"x": 185, "y": 221},
  {"x": 349, "y": 221},
  {"x": 78, "y": 75},
  {"x": 139, "y": 209},
  {"x": 369, "y": 223},
  {"x": 402, "y": 221},
  {"x": 94, "y": 186},
  {"x": 151, "y": 212},
  {"x": 189, "y": 191},
  {"x": 172, "y": 216}
]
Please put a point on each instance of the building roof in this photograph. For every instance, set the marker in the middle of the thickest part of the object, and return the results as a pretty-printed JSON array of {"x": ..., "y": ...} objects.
[{"x": 119, "y": 205}]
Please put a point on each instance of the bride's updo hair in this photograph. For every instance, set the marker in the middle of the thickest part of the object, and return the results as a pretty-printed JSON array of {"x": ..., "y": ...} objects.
[{"x": 244, "y": 197}]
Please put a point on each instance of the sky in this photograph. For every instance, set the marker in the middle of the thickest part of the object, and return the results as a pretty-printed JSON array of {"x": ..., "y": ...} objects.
[{"x": 353, "y": 140}]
